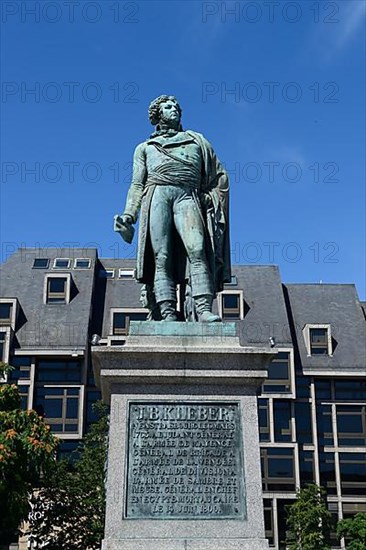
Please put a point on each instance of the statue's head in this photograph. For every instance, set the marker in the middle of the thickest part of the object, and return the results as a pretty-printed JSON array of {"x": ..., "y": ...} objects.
[{"x": 165, "y": 109}]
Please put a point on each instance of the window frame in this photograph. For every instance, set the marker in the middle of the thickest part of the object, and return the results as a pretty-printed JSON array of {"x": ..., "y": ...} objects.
[
  {"x": 75, "y": 266},
  {"x": 268, "y": 480},
  {"x": 39, "y": 267},
  {"x": 344, "y": 436},
  {"x": 58, "y": 275},
  {"x": 127, "y": 272},
  {"x": 69, "y": 435},
  {"x": 61, "y": 267},
  {"x": 6, "y": 349},
  {"x": 220, "y": 303},
  {"x": 13, "y": 312},
  {"x": 307, "y": 338},
  {"x": 291, "y": 394},
  {"x": 28, "y": 382},
  {"x": 122, "y": 310}
]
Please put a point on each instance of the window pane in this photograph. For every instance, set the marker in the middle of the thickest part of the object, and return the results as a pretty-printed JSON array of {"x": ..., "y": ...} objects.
[
  {"x": 323, "y": 389},
  {"x": 230, "y": 301},
  {"x": 122, "y": 320},
  {"x": 307, "y": 467},
  {"x": 72, "y": 409},
  {"x": 5, "y": 311},
  {"x": 119, "y": 320},
  {"x": 352, "y": 508},
  {"x": 52, "y": 407},
  {"x": 351, "y": 425},
  {"x": 278, "y": 469},
  {"x": 318, "y": 335},
  {"x": 24, "y": 395},
  {"x": 62, "y": 262},
  {"x": 281, "y": 520},
  {"x": 302, "y": 385},
  {"x": 355, "y": 390},
  {"x": 58, "y": 371},
  {"x": 325, "y": 427},
  {"x": 303, "y": 422},
  {"x": 91, "y": 398},
  {"x": 327, "y": 472},
  {"x": 263, "y": 418},
  {"x": 282, "y": 420},
  {"x": 353, "y": 473},
  {"x": 278, "y": 374},
  {"x": 56, "y": 284},
  {"x": 231, "y": 306},
  {"x": 41, "y": 263},
  {"x": 71, "y": 428},
  {"x": 82, "y": 264},
  {"x": 60, "y": 409},
  {"x": 2, "y": 345},
  {"x": 22, "y": 368},
  {"x": 268, "y": 520},
  {"x": 319, "y": 341}
]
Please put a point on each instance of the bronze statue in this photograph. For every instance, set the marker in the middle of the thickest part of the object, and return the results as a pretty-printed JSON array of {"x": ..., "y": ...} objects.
[{"x": 182, "y": 191}]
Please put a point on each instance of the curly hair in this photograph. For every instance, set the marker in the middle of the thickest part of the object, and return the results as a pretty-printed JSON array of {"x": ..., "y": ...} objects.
[{"x": 154, "y": 108}]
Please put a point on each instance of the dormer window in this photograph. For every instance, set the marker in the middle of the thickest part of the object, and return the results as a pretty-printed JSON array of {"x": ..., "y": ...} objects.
[
  {"x": 8, "y": 312},
  {"x": 231, "y": 305},
  {"x": 318, "y": 340},
  {"x": 57, "y": 289}
]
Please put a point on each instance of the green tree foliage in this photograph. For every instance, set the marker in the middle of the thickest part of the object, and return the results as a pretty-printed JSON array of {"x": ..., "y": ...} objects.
[
  {"x": 308, "y": 520},
  {"x": 68, "y": 512},
  {"x": 354, "y": 530},
  {"x": 27, "y": 451}
]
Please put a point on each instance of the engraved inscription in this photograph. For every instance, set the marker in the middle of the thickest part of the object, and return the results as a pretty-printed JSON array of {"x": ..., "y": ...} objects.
[{"x": 185, "y": 461}]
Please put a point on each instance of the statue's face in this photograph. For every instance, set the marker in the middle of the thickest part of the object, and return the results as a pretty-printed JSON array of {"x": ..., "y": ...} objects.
[
  {"x": 143, "y": 298},
  {"x": 169, "y": 112}
]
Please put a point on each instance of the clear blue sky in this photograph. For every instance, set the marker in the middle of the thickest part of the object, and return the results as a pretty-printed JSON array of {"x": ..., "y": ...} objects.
[{"x": 291, "y": 133}]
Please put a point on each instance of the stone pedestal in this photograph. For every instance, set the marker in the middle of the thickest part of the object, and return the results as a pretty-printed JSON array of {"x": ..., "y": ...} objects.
[{"x": 183, "y": 463}]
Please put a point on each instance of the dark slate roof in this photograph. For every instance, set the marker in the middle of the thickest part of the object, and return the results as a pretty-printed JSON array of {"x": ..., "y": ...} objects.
[
  {"x": 339, "y": 306},
  {"x": 265, "y": 312},
  {"x": 54, "y": 325},
  {"x": 118, "y": 292},
  {"x": 270, "y": 307}
]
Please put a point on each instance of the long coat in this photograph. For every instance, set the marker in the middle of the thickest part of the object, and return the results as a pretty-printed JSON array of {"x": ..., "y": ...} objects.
[{"x": 214, "y": 183}]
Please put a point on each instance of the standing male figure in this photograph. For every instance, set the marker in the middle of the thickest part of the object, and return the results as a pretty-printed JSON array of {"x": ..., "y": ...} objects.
[{"x": 183, "y": 193}]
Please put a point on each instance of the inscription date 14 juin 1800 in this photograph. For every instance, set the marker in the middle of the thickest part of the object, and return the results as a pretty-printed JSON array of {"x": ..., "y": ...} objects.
[{"x": 185, "y": 461}]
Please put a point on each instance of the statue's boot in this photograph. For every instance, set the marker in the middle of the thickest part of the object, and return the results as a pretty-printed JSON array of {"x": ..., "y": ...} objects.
[
  {"x": 168, "y": 310},
  {"x": 203, "y": 307}
]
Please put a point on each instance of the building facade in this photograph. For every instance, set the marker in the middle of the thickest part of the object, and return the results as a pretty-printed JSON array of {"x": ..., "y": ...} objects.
[{"x": 312, "y": 408}]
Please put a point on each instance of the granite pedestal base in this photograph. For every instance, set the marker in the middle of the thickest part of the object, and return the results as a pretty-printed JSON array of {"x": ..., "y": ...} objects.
[{"x": 183, "y": 460}]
